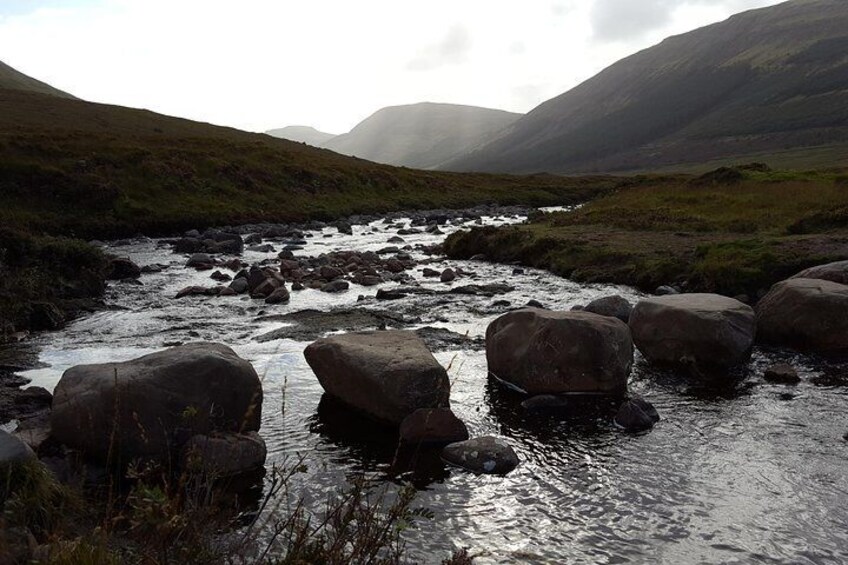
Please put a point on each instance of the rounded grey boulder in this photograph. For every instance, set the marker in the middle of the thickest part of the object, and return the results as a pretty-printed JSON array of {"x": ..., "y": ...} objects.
[
  {"x": 707, "y": 331},
  {"x": 387, "y": 375},
  {"x": 545, "y": 352},
  {"x": 806, "y": 314},
  {"x": 484, "y": 455},
  {"x": 13, "y": 451},
  {"x": 614, "y": 306},
  {"x": 835, "y": 272},
  {"x": 149, "y": 407}
]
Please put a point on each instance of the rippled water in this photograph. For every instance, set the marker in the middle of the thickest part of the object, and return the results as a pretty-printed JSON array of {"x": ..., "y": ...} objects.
[{"x": 752, "y": 472}]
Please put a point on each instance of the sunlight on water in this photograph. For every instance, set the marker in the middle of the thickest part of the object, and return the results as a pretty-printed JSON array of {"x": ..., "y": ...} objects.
[{"x": 734, "y": 475}]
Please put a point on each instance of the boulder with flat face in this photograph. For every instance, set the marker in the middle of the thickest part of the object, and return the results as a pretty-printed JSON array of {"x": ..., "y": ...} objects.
[
  {"x": 703, "y": 331},
  {"x": 149, "y": 407},
  {"x": 545, "y": 352},
  {"x": 805, "y": 314},
  {"x": 386, "y": 375}
]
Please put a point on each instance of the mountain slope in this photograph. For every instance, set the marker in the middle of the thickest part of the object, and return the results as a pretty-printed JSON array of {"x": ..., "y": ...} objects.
[
  {"x": 422, "y": 135},
  {"x": 15, "y": 80},
  {"x": 302, "y": 134},
  {"x": 764, "y": 80}
]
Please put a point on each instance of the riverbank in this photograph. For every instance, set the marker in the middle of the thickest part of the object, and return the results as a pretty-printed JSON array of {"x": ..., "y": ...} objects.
[{"x": 732, "y": 231}]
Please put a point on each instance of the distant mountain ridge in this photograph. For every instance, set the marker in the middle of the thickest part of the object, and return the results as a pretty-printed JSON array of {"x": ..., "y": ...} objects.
[
  {"x": 302, "y": 134},
  {"x": 16, "y": 80},
  {"x": 765, "y": 80},
  {"x": 421, "y": 135}
]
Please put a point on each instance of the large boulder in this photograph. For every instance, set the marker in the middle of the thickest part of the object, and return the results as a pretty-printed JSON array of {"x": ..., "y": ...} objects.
[
  {"x": 387, "y": 375},
  {"x": 835, "y": 272},
  {"x": 149, "y": 407},
  {"x": 545, "y": 352},
  {"x": 702, "y": 331},
  {"x": 805, "y": 314}
]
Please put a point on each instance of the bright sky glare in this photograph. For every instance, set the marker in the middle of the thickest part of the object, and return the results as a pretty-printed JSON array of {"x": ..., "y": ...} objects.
[{"x": 262, "y": 64}]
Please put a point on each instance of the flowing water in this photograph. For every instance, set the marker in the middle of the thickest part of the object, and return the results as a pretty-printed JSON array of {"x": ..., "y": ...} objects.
[{"x": 749, "y": 472}]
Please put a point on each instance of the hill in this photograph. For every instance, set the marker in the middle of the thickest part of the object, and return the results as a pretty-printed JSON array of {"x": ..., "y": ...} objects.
[
  {"x": 71, "y": 169},
  {"x": 95, "y": 170},
  {"x": 15, "y": 80},
  {"x": 422, "y": 135},
  {"x": 767, "y": 80},
  {"x": 302, "y": 134}
]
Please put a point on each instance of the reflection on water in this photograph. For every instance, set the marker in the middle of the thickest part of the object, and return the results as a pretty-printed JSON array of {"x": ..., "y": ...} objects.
[{"x": 743, "y": 472}]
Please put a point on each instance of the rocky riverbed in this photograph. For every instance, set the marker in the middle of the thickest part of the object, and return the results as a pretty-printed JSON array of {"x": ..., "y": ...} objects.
[{"x": 741, "y": 470}]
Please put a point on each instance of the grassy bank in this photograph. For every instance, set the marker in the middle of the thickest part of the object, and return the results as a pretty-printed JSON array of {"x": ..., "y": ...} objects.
[
  {"x": 734, "y": 231},
  {"x": 45, "y": 280}
]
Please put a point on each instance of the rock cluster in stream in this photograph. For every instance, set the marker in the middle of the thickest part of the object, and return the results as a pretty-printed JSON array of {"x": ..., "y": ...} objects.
[{"x": 200, "y": 404}]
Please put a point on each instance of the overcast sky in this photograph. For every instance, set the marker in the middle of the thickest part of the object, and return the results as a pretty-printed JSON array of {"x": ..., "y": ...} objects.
[{"x": 261, "y": 64}]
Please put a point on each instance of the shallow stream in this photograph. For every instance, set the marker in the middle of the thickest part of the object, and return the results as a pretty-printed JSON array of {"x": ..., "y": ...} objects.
[{"x": 750, "y": 472}]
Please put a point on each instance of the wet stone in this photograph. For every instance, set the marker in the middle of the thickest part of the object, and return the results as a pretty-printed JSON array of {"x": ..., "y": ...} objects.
[{"x": 483, "y": 455}]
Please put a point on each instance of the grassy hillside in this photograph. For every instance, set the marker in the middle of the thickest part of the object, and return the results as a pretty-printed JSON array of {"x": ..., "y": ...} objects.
[
  {"x": 765, "y": 81},
  {"x": 71, "y": 169},
  {"x": 15, "y": 80},
  {"x": 733, "y": 232},
  {"x": 92, "y": 170},
  {"x": 421, "y": 136}
]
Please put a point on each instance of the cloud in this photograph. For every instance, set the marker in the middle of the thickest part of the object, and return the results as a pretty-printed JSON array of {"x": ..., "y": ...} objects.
[
  {"x": 627, "y": 20},
  {"x": 453, "y": 49},
  {"x": 623, "y": 20}
]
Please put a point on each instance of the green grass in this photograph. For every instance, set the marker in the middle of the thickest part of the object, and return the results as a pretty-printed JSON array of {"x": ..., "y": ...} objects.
[{"x": 733, "y": 238}]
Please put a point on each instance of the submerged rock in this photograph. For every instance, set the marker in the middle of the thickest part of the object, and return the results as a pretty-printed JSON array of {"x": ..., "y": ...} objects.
[
  {"x": 432, "y": 426},
  {"x": 636, "y": 415},
  {"x": 782, "y": 373},
  {"x": 484, "y": 455},
  {"x": 149, "y": 407},
  {"x": 707, "y": 331},
  {"x": 545, "y": 403},
  {"x": 544, "y": 352},
  {"x": 806, "y": 314},
  {"x": 387, "y": 375}
]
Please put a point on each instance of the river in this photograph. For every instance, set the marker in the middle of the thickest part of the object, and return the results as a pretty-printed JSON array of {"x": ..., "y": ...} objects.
[{"x": 749, "y": 472}]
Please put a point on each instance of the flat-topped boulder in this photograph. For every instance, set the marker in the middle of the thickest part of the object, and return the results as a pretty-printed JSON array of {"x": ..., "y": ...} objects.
[
  {"x": 704, "y": 331},
  {"x": 386, "y": 375},
  {"x": 546, "y": 352},
  {"x": 805, "y": 314},
  {"x": 835, "y": 272},
  {"x": 149, "y": 407}
]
